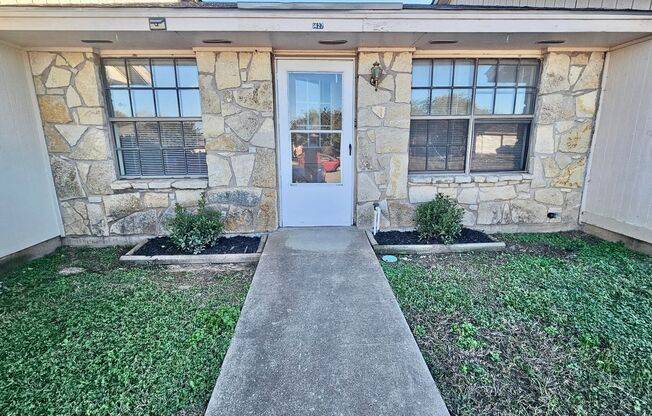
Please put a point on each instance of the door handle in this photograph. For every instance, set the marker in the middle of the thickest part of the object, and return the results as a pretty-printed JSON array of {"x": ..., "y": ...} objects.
[{"x": 350, "y": 149}]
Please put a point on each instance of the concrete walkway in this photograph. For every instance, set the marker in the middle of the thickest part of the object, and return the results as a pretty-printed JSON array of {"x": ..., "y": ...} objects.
[{"x": 321, "y": 334}]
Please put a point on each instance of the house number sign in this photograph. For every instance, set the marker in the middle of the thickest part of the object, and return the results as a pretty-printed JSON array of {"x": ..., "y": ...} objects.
[{"x": 317, "y": 25}]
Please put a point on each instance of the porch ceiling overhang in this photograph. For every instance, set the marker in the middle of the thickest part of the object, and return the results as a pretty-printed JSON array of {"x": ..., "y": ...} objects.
[{"x": 128, "y": 28}]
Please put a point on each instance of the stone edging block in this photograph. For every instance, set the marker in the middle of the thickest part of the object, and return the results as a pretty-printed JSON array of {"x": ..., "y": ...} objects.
[
  {"x": 433, "y": 248},
  {"x": 129, "y": 257}
]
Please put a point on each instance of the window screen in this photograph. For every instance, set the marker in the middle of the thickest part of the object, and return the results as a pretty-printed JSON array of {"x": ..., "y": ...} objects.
[
  {"x": 479, "y": 102},
  {"x": 155, "y": 115}
]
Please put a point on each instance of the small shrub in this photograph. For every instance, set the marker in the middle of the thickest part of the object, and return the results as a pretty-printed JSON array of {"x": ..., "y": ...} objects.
[
  {"x": 440, "y": 218},
  {"x": 195, "y": 231}
]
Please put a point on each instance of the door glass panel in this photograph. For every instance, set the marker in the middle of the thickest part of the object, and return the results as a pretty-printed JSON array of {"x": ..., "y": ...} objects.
[
  {"x": 315, "y": 101},
  {"x": 315, "y": 110},
  {"x": 316, "y": 157}
]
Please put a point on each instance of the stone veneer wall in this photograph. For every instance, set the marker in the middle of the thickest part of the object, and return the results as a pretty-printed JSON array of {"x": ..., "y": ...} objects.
[
  {"x": 235, "y": 88},
  {"x": 563, "y": 126},
  {"x": 383, "y": 132},
  {"x": 238, "y": 115}
]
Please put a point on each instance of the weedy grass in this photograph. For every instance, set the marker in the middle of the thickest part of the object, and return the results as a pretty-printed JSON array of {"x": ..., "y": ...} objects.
[
  {"x": 557, "y": 324},
  {"x": 113, "y": 340}
]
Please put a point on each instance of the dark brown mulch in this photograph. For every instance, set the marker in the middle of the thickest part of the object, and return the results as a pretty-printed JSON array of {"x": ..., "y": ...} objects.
[
  {"x": 163, "y": 246},
  {"x": 412, "y": 237}
]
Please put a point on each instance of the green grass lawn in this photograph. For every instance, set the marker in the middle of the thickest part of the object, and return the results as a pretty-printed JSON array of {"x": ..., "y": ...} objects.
[
  {"x": 114, "y": 339},
  {"x": 556, "y": 324}
]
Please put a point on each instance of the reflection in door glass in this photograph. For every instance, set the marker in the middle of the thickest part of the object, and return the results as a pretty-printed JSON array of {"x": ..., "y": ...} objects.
[
  {"x": 316, "y": 157},
  {"x": 315, "y": 106},
  {"x": 315, "y": 101}
]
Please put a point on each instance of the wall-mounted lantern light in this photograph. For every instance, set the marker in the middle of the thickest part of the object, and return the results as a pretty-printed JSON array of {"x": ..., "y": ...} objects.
[{"x": 376, "y": 72}]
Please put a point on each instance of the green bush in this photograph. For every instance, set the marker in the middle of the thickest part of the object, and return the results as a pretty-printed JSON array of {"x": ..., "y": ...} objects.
[
  {"x": 440, "y": 218},
  {"x": 195, "y": 231}
]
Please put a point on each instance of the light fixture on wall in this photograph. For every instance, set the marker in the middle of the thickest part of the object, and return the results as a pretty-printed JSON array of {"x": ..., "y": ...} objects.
[{"x": 376, "y": 72}]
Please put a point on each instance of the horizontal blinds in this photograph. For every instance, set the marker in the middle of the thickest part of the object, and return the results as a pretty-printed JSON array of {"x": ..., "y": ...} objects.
[
  {"x": 438, "y": 145},
  {"x": 499, "y": 146},
  {"x": 161, "y": 148}
]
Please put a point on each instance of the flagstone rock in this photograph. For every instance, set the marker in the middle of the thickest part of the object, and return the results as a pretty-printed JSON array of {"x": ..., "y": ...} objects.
[
  {"x": 75, "y": 218},
  {"x": 260, "y": 68},
  {"x": 53, "y": 109},
  {"x": 121, "y": 205},
  {"x": 239, "y": 219},
  {"x": 419, "y": 194},
  {"x": 242, "y": 166},
  {"x": 549, "y": 196},
  {"x": 58, "y": 78},
  {"x": 590, "y": 78},
  {"x": 99, "y": 178},
  {"x": 555, "y": 78},
  {"x": 213, "y": 125},
  {"x": 266, "y": 219},
  {"x": 401, "y": 213},
  {"x": 528, "y": 212},
  {"x": 144, "y": 222},
  {"x": 259, "y": 97},
  {"x": 585, "y": 104},
  {"x": 219, "y": 170},
  {"x": 97, "y": 220},
  {"x": 264, "y": 174},
  {"x": 244, "y": 124},
  {"x": 71, "y": 132},
  {"x": 577, "y": 139},
  {"x": 246, "y": 197},
  {"x": 156, "y": 200},
  {"x": 66, "y": 180},
  {"x": 497, "y": 193},
  {"x": 571, "y": 176},
  {"x": 55, "y": 142},
  {"x": 73, "y": 58},
  {"x": 72, "y": 98},
  {"x": 227, "y": 72},
  {"x": 91, "y": 115},
  {"x": 367, "y": 189},
  {"x": 397, "y": 179},
  {"x": 227, "y": 142},
  {"x": 187, "y": 197},
  {"x": 92, "y": 146},
  {"x": 87, "y": 85},
  {"x": 264, "y": 137},
  {"x": 40, "y": 61}
]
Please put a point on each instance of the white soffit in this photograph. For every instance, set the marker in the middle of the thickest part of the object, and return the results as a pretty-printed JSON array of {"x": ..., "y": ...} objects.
[{"x": 278, "y": 29}]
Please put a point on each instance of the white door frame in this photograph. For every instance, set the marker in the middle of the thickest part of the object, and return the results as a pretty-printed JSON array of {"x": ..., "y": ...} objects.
[{"x": 314, "y": 64}]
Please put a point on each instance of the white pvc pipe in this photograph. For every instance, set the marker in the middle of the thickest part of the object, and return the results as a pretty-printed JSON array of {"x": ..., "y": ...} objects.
[{"x": 376, "y": 218}]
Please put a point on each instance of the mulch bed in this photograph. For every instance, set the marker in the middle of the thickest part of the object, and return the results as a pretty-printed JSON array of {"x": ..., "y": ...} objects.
[
  {"x": 412, "y": 237},
  {"x": 163, "y": 246}
]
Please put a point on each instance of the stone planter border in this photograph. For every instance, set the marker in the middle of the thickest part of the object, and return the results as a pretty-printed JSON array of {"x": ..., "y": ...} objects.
[
  {"x": 129, "y": 257},
  {"x": 433, "y": 248}
]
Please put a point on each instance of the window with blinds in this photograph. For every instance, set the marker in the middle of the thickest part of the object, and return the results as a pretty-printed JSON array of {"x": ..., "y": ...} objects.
[
  {"x": 471, "y": 115},
  {"x": 155, "y": 115}
]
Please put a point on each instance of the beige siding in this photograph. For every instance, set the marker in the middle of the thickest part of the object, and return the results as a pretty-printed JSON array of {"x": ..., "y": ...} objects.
[
  {"x": 619, "y": 190},
  {"x": 28, "y": 211},
  {"x": 563, "y": 4}
]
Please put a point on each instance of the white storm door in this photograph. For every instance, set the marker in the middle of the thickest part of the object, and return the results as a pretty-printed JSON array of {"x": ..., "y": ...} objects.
[{"x": 315, "y": 126}]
